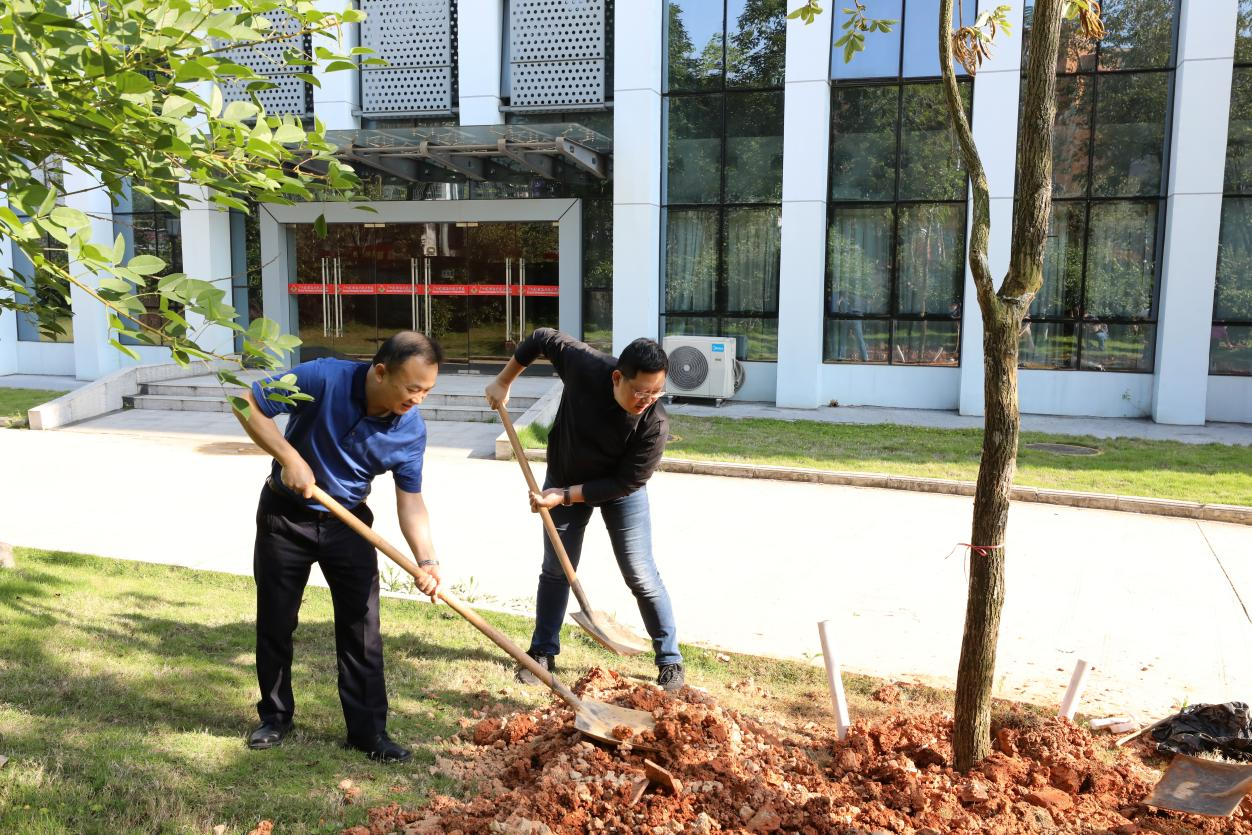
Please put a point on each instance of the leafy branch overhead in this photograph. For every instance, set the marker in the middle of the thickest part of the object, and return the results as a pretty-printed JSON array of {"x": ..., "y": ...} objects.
[{"x": 127, "y": 99}]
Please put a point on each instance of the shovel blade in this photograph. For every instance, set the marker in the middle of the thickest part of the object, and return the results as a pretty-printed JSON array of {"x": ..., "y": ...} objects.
[
  {"x": 1202, "y": 787},
  {"x": 610, "y": 634},
  {"x": 598, "y": 719}
]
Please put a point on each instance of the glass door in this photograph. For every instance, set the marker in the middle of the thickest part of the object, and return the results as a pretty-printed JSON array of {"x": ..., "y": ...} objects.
[{"x": 336, "y": 309}]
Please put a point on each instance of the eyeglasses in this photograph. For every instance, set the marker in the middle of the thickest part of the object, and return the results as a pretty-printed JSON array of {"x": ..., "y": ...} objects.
[{"x": 644, "y": 396}]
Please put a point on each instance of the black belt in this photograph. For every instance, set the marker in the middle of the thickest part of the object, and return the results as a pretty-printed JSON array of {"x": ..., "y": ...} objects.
[{"x": 292, "y": 504}]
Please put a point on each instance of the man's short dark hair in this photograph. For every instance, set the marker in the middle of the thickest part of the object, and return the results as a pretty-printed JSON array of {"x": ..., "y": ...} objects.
[
  {"x": 404, "y": 346},
  {"x": 642, "y": 355}
]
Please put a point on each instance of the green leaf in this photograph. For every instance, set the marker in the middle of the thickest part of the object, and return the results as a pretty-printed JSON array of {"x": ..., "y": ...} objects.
[
  {"x": 176, "y": 107},
  {"x": 319, "y": 226},
  {"x": 289, "y": 134},
  {"x": 130, "y": 82},
  {"x": 146, "y": 264},
  {"x": 69, "y": 218},
  {"x": 119, "y": 248},
  {"x": 240, "y": 405},
  {"x": 125, "y": 349},
  {"x": 237, "y": 111}
]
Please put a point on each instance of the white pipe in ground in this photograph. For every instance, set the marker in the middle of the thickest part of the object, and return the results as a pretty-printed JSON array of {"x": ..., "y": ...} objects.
[
  {"x": 1069, "y": 705},
  {"x": 833, "y": 678}
]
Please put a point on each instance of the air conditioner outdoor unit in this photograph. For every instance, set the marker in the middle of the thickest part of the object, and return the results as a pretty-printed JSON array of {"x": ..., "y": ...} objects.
[{"x": 700, "y": 366}]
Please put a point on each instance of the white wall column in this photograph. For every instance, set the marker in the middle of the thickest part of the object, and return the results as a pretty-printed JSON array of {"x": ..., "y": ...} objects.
[
  {"x": 996, "y": 91},
  {"x": 8, "y": 319},
  {"x": 638, "y": 139},
  {"x": 93, "y": 355},
  {"x": 480, "y": 28},
  {"x": 338, "y": 101},
  {"x": 1206, "y": 44},
  {"x": 276, "y": 303},
  {"x": 806, "y": 152},
  {"x": 206, "y": 250}
]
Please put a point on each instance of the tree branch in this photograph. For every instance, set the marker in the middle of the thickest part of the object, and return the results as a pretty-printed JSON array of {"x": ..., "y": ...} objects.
[{"x": 980, "y": 234}]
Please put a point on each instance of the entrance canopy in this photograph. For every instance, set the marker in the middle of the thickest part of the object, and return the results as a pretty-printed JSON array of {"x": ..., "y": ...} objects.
[{"x": 562, "y": 152}]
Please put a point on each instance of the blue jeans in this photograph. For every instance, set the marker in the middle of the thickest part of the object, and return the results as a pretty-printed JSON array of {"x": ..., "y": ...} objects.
[{"x": 629, "y": 524}]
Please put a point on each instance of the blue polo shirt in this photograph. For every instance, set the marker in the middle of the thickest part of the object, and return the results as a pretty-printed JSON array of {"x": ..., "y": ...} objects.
[{"x": 345, "y": 447}]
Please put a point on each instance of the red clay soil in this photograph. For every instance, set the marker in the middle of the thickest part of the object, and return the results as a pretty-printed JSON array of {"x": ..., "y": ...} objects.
[{"x": 533, "y": 775}]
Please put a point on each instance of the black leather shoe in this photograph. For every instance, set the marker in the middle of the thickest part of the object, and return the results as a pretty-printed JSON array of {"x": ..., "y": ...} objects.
[
  {"x": 383, "y": 749},
  {"x": 268, "y": 734}
]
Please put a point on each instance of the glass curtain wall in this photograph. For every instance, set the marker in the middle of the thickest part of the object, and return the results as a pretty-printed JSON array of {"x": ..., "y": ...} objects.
[
  {"x": 895, "y": 239},
  {"x": 54, "y": 295},
  {"x": 1097, "y": 308},
  {"x": 245, "y": 268},
  {"x": 723, "y": 193},
  {"x": 148, "y": 229},
  {"x": 1230, "y": 348}
]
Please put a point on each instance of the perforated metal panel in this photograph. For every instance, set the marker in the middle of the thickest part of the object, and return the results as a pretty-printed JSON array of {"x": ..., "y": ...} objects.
[
  {"x": 417, "y": 38},
  {"x": 290, "y": 94},
  {"x": 557, "y": 52}
]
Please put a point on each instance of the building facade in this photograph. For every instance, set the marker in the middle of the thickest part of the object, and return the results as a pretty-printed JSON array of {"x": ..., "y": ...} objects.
[{"x": 620, "y": 168}]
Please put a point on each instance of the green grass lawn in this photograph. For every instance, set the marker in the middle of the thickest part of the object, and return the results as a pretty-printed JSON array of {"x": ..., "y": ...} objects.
[
  {"x": 14, "y": 403},
  {"x": 1127, "y": 466},
  {"x": 126, "y": 690}
]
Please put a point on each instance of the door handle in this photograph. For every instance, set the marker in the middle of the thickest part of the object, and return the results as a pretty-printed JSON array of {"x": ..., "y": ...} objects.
[
  {"x": 413, "y": 293},
  {"x": 508, "y": 299},
  {"x": 325, "y": 303},
  {"x": 521, "y": 299}
]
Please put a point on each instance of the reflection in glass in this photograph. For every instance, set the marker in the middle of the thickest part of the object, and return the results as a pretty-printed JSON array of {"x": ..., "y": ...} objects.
[
  {"x": 694, "y": 43},
  {"x": 753, "y": 247},
  {"x": 51, "y": 292},
  {"x": 863, "y": 142},
  {"x": 881, "y": 57},
  {"x": 1071, "y": 142},
  {"x": 754, "y": 148},
  {"x": 930, "y": 259},
  {"x": 930, "y": 167},
  {"x": 927, "y": 342},
  {"x": 1239, "y": 139},
  {"x": 859, "y": 260},
  {"x": 690, "y": 325},
  {"x": 1117, "y": 347},
  {"x": 1047, "y": 344},
  {"x": 857, "y": 340},
  {"x": 1243, "y": 34},
  {"x": 1138, "y": 34},
  {"x": 1130, "y": 134},
  {"x": 1121, "y": 260},
  {"x": 1233, "y": 298},
  {"x": 598, "y": 319},
  {"x": 1230, "y": 350},
  {"x": 757, "y": 42},
  {"x": 756, "y": 338},
  {"x": 1062, "y": 263},
  {"x": 691, "y": 260},
  {"x": 921, "y": 37},
  {"x": 695, "y": 148}
]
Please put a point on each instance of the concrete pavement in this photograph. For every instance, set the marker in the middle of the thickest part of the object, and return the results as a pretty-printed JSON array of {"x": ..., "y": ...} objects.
[{"x": 1156, "y": 604}]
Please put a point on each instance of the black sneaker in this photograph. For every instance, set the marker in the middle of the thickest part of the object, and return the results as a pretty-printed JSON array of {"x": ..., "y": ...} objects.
[
  {"x": 671, "y": 677},
  {"x": 525, "y": 676}
]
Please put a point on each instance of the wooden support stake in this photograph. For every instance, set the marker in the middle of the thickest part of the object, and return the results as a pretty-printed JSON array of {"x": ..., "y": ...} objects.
[
  {"x": 1077, "y": 681},
  {"x": 833, "y": 678}
]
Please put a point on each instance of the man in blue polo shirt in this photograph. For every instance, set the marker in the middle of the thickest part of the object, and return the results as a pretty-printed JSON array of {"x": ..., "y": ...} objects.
[{"x": 361, "y": 422}]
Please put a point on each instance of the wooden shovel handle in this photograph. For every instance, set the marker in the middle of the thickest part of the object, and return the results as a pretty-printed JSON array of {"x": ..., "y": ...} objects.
[
  {"x": 548, "y": 524},
  {"x": 499, "y": 638}
]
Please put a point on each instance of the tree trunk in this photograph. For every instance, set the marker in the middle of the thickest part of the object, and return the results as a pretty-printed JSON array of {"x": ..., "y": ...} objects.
[{"x": 971, "y": 736}]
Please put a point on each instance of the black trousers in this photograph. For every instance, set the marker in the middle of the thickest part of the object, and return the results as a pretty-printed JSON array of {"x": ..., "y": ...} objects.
[{"x": 289, "y": 539}]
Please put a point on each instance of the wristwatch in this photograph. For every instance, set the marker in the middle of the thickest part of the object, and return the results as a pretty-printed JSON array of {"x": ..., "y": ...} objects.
[{"x": 566, "y": 500}]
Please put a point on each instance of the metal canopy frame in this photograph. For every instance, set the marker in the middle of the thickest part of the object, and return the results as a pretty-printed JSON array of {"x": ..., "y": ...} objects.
[{"x": 467, "y": 150}]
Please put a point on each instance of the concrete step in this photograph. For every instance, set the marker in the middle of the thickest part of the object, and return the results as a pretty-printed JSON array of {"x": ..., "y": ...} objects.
[
  {"x": 181, "y": 403},
  {"x": 434, "y": 399}
]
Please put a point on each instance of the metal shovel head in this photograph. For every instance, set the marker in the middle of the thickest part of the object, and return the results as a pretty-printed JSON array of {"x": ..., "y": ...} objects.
[
  {"x": 1202, "y": 787},
  {"x": 610, "y": 634},
  {"x": 598, "y": 719}
]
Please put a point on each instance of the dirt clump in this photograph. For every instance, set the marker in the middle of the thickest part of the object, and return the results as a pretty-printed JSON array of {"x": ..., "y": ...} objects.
[{"x": 531, "y": 774}]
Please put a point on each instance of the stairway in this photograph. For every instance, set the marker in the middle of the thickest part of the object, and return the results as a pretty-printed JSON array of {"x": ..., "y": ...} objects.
[{"x": 461, "y": 400}]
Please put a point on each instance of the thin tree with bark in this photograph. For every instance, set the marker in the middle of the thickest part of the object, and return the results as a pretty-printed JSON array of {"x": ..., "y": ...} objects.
[{"x": 1003, "y": 308}]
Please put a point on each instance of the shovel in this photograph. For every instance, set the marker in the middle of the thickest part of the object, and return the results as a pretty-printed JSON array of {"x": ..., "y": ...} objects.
[
  {"x": 1202, "y": 787},
  {"x": 594, "y": 719},
  {"x": 599, "y": 625}
]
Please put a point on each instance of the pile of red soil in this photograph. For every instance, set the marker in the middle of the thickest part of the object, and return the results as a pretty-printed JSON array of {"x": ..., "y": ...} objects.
[{"x": 533, "y": 775}]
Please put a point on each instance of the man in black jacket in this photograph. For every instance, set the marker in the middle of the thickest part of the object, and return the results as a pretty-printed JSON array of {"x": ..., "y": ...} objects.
[{"x": 607, "y": 440}]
